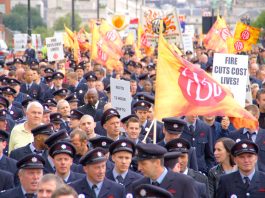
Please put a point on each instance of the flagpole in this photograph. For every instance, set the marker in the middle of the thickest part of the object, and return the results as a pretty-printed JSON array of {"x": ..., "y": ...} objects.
[
  {"x": 154, "y": 135},
  {"x": 147, "y": 132}
]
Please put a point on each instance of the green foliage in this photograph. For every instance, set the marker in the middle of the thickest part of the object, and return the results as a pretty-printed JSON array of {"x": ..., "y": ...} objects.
[
  {"x": 260, "y": 21},
  {"x": 43, "y": 31},
  {"x": 18, "y": 18},
  {"x": 59, "y": 23}
]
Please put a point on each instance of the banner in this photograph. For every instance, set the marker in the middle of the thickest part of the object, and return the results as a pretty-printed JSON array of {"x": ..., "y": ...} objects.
[
  {"x": 120, "y": 96},
  {"x": 150, "y": 18},
  {"x": 54, "y": 49},
  {"x": 184, "y": 89},
  {"x": 20, "y": 42},
  {"x": 232, "y": 71}
]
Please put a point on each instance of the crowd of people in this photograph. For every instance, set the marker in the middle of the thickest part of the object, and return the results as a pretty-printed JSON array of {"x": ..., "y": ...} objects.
[{"x": 60, "y": 136}]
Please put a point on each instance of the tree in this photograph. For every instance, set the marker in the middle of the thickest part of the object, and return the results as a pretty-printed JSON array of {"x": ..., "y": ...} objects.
[
  {"x": 18, "y": 18},
  {"x": 43, "y": 31},
  {"x": 260, "y": 21},
  {"x": 67, "y": 20}
]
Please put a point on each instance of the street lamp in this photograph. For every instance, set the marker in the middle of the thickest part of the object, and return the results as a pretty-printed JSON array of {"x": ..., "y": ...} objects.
[
  {"x": 97, "y": 9},
  {"x": 73, "y": 15},
  {"x": 29, "y": 19}
]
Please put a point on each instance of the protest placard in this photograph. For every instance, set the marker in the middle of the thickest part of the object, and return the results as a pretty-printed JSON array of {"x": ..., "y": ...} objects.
[
  {"x": 121, "y": 96},
  {"x": 20, "y": 42},
  {"x": 36, "y": 41},
  {"x": 54, "y": 49},
  {"x": 232, "y": 71},
  {"x": 187, "y": 42}
]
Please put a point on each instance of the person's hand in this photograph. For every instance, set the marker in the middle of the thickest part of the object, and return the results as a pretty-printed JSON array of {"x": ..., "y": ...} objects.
[{"x": 225, "y": 123}]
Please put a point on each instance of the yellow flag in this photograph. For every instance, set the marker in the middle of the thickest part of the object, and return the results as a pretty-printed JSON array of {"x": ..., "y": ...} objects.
[
  {"x": 245, "y": 36},
  {"x": 184, "y": 89},
  {"x": 95, "y": 39},
  {"x": 129, "y": 39},
  {"x": 76, "y": 49},
  {"x": 217, "y": 36}
]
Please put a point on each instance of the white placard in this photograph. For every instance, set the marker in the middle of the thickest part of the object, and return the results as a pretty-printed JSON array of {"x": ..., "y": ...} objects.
[
  {"x": 121, "y": 96},
  {"x": 36, "y": 41},
  {"x": 187, "y": 42},
  {"x": 232, "y": 71},
  {"x": 20, "y": 42},
  {"x": 54, "y": 49},
  {"x": 190, "y": 30}
]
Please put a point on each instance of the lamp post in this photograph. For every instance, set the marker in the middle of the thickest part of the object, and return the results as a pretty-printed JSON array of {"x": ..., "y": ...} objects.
[
  {"x": 29, "y": 19},
  {"x": 73, "y": 15},
  {"x": 97, "y": 9}
]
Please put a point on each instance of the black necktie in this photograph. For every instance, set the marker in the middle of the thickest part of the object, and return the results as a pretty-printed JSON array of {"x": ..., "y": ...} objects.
[
  {"x": 247, "y": 181},
  {"x": 38, "y": 151},
  {"x": 94, "y": 187},
  {"x": 191, "y": 127},
  {"x": 155, "y": 183},
  {"x": 120, "y": 179},
  {"x": 29, "y": 195}
]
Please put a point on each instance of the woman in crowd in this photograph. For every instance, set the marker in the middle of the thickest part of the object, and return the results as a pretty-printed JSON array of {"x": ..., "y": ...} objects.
[{"x": 225, "y": 163}]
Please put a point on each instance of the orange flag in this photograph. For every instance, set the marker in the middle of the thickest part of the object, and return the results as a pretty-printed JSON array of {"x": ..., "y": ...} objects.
[
  {"x": 184, "y": 89},
  {"x": 129, "y": 39},
  {"x": 82, "y": 40},
  {"x": 143, "y": 41},
  {"x": 217, "y": 36},
  {"x": 245, "y": 36},
  {"x": 69, "y": 32},
  {"x": 76, "y": 50},
  {"x": 101, "y": 53},
  {"x": 111, "y": 37}
]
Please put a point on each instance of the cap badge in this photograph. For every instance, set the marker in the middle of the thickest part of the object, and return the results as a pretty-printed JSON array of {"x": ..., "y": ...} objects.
[
  {"x": 175, "y": 126},
  {"x": 244, "y": 145},
  {"x": 179, "y": 145},
  {"x": 58, "y": 116},
  {"x": 111, "y": 111},
  {"x": 104, "y": 143},
  {"x": 123, "y": 144},
  {"x": 238, "y": 140},
  {"x": 4, "y": 113},
  {"x": 143, "y": 192},
  {"x": 99, "y": 154},
  {"x": 80, "y": 91},
  {"x": 58, "y": 74},
  {"x": 8, "y": 89},
  {"x": 63, "y": 146},
  {"x": 34, "y": 159},
  {"x": 142, "y": 104},
  {"x": 11, "y": 112}
]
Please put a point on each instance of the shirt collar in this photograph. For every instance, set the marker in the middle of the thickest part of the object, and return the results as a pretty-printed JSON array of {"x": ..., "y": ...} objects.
[
  {"x": 99, "y": 185},
  {"x": 67, "y": 177},
  {"x": 245, "y": 130},
  {"x": 250, "y": 176},
  {"x": 186, "y": 171},
  {"x": 161, "y": 177},
  {"x": 115, "y": 174},
  {"x": 32, "y": 147}
]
